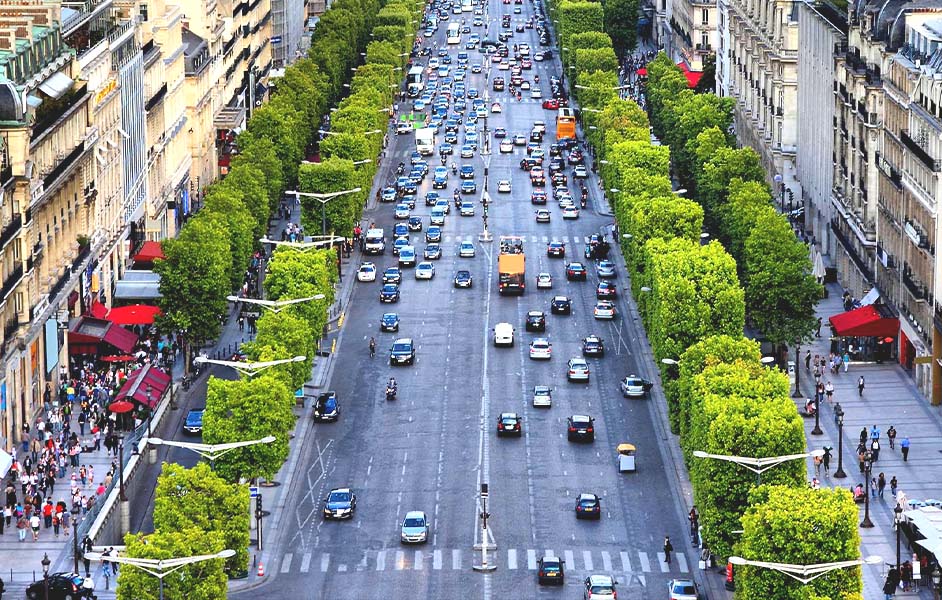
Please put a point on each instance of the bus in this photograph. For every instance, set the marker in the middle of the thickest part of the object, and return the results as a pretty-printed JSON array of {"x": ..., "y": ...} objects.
[
  {"x": 566, "y": 124},
  {"x": 454, "y": 33},
  {"x": 511, "y": 269}
]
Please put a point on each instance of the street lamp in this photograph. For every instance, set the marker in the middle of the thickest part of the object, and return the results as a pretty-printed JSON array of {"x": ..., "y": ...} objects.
[
  {"x": 75, "y": 549},
  {"x": 868, "y": 465},
  {"x": 839, "y": 413},
  {"x": 162, "y": 567},
  {"x": 757, "y": 465},
  {"x": 121, "y": 493},
  {"x": 211, "y": 451},
  {"x": 249, "y": 369},
  {"x": 817, "y": 413},
  {"x": 45, "y": 562},
  {"x": 326, "y": 132},
  {"x": 150, "y": 409},
  {"x": 936, "y": 580},
  {"x": 805, "y": 574},
  {"x": 314, "y": 242},
  {"x": 276, "y": 306},
  {"x": 897, "y": 520},
  {"x": 680, "y": 192},
  {"x": 325, "y": 198}
]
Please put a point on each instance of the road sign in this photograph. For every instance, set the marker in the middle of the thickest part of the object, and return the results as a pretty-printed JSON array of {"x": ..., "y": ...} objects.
[
  {"x": 253, "y": 491},
  {"x": 276, "y": 39}
]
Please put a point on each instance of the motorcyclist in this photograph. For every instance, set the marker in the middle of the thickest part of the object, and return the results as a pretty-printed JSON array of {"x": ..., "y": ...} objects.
[
  {"x": 536, "y": 79},
  {"x": 391, "y": 389},
  {"x": 454, "y": 168},
  {"x": 372, "y": 347},
  {"x": 401, "y": 168}
]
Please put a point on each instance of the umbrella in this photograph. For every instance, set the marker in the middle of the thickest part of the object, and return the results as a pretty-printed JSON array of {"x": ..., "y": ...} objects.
[
  {"x": 642, "y": 72},
  {"x": 136, "y": 314},
  {"x": 118, "y": 358},
  {"x": 121, "y": 406}
]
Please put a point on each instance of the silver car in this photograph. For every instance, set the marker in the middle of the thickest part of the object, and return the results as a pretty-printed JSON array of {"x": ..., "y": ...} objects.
[
  {"x": 682, "y": 589},
  {"x": 542, "y": 396},
  {"x": 634, "y": 387},
  {"x": 599, "y": 587},
  {"x": 414, "y": 528},
  {"x": 578, "y": 369}
]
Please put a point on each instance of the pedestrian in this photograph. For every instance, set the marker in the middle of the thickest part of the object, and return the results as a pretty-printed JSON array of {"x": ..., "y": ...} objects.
[
  {"x": 874, "y": 433},
  {"x": 56, "y": 522},
  {"x": 817, "y": 465},
  {"x": 85, "y": 547},
  {"x": 873, "y": 487},
  {"x": 881, "y": 484},
  {"x": 846, "y": 361},
  {"x": 106, "y": 572},
  {"x": 860, "y": 385},
  {"x": 904, "y": 448},
  {"x": 817, "y": 331},
  {"x": 891, "y": 435},
  {"x": 34, "y": 525},
  {"x": 668, "y": 548},
  {"x": 826, "y": 459},
  {"x": 863, "y": 435},
  {"x": 829, "y": 390},
  {"x": 808, "y": 360},
  {"x": 875, "y": 449},
  {"x": 861, "y": 453},
  {"x": 21, "y": 526},
  {"x": 893, "y": 485}
]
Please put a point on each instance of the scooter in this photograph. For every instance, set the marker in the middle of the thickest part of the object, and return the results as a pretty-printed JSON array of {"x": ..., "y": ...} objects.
[{"x": 390, "y": 394}]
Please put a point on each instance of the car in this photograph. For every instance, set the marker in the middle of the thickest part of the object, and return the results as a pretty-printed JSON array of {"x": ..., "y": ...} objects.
[
  {"x": 476, "y": 68},
  {"x": 193, "y": 425},
  {"x": 588, "y": 506},
  {"x": 503, "y": 65},
  {"x": 542, "y": 216},
  {"x": 682, "y": 589},
  {"x": 604, "y": 309},
  {"x": 506, "y": 146},
  {"x": 399, "y": 244},
  {"x": 549, "y": 570},
  {"x": 467, "y": 151},
  {"x": 389, "y": 293},
  {"x": 538, "y": 197},
  {"x": 388, "y": 195},
  {"x": 536, "y": 320},
  {"x": 402, "y": 211},
  {"x": 402, "y": 352},
  {"x": 400, "y": 230},
  {"x": 414, "y": 528},
  {"x": 561, "y": 305},
  {"x": 500, "y": 133},
  {"x": 366, "y": 272},
  {"x": 466, "y": 209},
  {"x": 509, "y": 423},
  {"x": 580, "y": 428},
  {"x": 605, "y": 269},
  {"x": 556, "y": 249},
  {"x": 466, "y": 250},
  {"x": 633, "y": 386},
  {"x": 59, "y": 586},
  {"x": 432, "y": 252},
  {"x": 466, "y": 172},
  {"x": 451, "y": 137},
  {"x": 340, "y": 504},
  {"x": 599, "y": 587},
  {"x": 407, "y": 256},
  {"x": 541, "y": 349},
  {"x": 503, "y": 186},
  {"x": 536, "y": 94},
  {"x": 433, "y": 234},
  {"x": 469, "y": 187},
  {"x": 592, "y": 346},
  {"x": 537, "y": 176},
  {"x": 415, "y": 223},
  {"x": 446, "y": 148},
  {"x": 389, "y": 322},
  {"x": 578, "y": 369},
  {"x": 606, "y": 290},
  {"x": 570, "y": 212},
  {"x": 463, "y": 279},
  {"x": 520, "y": 140},
  {"x": 519, "y": 28},
  {"x": 392, "y": 275},
  {"x": 544, "y": 281},
  {"x": 496, "y": 107},
  {"x": 327, "y": 407},
  {"x": 542, "y": 396},
  {"x": 576, "y": 271},
  {"x": 425, "y": 270},
  {"x": 580, "y": 172}
]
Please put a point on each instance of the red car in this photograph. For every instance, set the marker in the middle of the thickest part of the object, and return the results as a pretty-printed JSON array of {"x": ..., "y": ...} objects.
[
  {"x": 554, "y": 103},
  {"x": 556, "y": 249}
]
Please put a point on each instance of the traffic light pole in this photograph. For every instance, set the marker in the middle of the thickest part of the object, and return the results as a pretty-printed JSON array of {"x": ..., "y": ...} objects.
[{"x": 484, "y": 567}]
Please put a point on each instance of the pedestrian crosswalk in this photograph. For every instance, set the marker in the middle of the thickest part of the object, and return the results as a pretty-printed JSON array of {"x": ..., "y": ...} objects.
[
  {"x": 533, "y": 239},
  {"x": 437, "y": 559}
]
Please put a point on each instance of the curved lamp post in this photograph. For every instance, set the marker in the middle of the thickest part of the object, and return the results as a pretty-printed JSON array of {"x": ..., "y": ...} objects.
[
  {"x": 758, "y": 465},
  {"x": 805, "y": 574},
  {"x": 211, "y": 451},
  {"x": 276, "y": 306},
  {"x": 159, "y": 568},
  {"x": 249, "y": 369}
]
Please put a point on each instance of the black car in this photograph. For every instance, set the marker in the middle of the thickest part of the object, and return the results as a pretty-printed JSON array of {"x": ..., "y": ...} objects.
[
  {"x": 415, "y": 223},
  {"x": 340, "y": 504},
  {"x": 463, "y": 279},
  {"x": 194, "y": 421},
  {"x": 327, "y": 407},
  {"x": 580, "y": 428},
  {"x": 606, "y": 290},
  {"x": 392, "y": 275},
  {"x": 561, "y": 305},
  {"x": 556, "y": 250},
  {"x": 550, "y": 571},
  {"x": 575, "y": 271},
  {"x": 389, "y": 293},
  {"x": 62, "y": 586},
  {"x": 402, "y": 352},
  {"x": 389, "y": 322},
  {"x": 588, "y": 506},
  {"x": 431, "y": 198},
  {"x": 467, "y": 172},
  {"x": 509, "y": 424},
  {"x": 592, "y": 346},
  {"x": 536, "y": 321}
]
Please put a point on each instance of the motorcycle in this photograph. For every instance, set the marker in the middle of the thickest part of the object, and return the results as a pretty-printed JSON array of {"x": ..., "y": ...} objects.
[
  {"x": 401, "y": 168},
  {"x": 583, "y": 201},
  {"x": 390, "y": 391},
  {"x": 454, "y": 169}
]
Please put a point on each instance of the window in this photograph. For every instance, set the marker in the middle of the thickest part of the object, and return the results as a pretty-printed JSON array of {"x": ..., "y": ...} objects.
[
  {"x": 144, "y": 16},
  {"x": 705, "y": 41},
  {"x": 705, "y": 16}
]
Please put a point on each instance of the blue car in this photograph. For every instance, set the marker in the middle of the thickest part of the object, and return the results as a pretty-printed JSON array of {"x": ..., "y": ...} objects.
[
  {"x": 467, "y": 172},
  {"x": 389, "y": 322},
  {"x": 327, "y": 407},
  {"x": 340, "y": 504},
  {"x": 433, "y": 234},
  {"x": 400, "y": 230},
  {"x": 468, "y": 187},
  {"x": 194, "y": 422}
]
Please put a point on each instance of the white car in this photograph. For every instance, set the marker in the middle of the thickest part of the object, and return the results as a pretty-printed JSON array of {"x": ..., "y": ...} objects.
[
  {"x": 604, "y": 309},
  {"x": 540, "y": 348},
  {"x": 544, "y": 281},
  {"x": 503, "y": 65},
  {"x": 570, "y": 212},
  {"x": 524, "y": 85},
  {"x": 682, "y": 589},
  {"x": 542, "y": 396},
  {"x": 536, "y": 94},
  {"x": 578, "y": 369},
  {"x": 414, "y": 528},
  {"x": 424, "y": 270},
  {"x": 503, "y": 186},
  {"x": 506, "y": 146},
  {"x": 542, "y": 216},
  {"x": 467, "y": 209},
  {"x": 466, "y": 250},
  {"x": 366, "y": 272},
  {"x": 633, "y": 386},
  {"x": 599, "y": 587},
  {"x": 495, "y": 107},
  {"x": 402, "y": 211}
]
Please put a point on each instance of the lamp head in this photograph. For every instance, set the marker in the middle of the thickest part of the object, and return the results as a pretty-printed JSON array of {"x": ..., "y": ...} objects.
[
  {"x": 668, "y": 361},
  {"x": 699, "y": 454},
  {"x": 737, "y": 560},
  {"x": 874, "y": 559},
  {"x": 817, "y": 453}
]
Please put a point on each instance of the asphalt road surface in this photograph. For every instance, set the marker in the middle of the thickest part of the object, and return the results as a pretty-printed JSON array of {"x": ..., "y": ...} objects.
[{"x": 430, "y": 449}]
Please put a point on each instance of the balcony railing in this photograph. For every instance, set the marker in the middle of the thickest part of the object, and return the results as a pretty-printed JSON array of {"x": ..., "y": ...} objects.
[
  {"x": 920, "y": 153},
  {"x": 10, "y": 231},
  {"x": 51, "y": 110},
  {"x": 918, "y": 290},
  {"x": 63, "y": 165},
  {"x": 11, "y": 281},
  {"x": 861, "y": 264}
]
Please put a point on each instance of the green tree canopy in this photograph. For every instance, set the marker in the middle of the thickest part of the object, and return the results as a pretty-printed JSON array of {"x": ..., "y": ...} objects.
[
  {"x": 259, "y": 153},
  {"x": 589, "y": 60},
  {"x": 589, "y": 39},
  {"x": 285, "y": 335},
  {"x": 621, "y": 23},
  {"x": 204, "y": 580},
  {"x": 248, "y": 182},
  {"x": 224, "y": 204}
]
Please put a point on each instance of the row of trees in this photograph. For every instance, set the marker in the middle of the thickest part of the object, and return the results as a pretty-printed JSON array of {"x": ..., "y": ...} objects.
[
  {"x": 204, "y": 510},
  {"x": 693, "y": 299}
]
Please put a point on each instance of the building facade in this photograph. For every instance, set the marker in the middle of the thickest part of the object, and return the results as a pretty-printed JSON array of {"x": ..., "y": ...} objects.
[
  {"x": 762, "y": 63},
  {"x": 694, "y": 25},
  {"x": 288, "y": 22}
]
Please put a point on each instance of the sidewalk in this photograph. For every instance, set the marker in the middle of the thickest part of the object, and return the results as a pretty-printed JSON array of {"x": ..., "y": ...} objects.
[{"x": 889, "y": 398}]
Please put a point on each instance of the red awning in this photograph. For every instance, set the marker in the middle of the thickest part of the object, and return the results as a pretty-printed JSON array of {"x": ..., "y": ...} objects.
[
  {"x": 693, "y": 77},
  {"x": 148, "y": 378},
  {"x": 136, "y": 314},
  {"x": 867, "y": 321},
  {"x": 149, "y": 252},
  {"x": 89, "y": 333},
  {"x": 98, "y": 310}
]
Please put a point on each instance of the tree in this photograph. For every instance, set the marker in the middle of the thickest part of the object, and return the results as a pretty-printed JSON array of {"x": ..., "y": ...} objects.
[
  {"x": 286, "y": 335},
  {"x": 665, "y": 218},
  {"x": 259, "y": 152},
  {"x": 597, "y": 88},
  {"x": 278, "y": 121},
  {"x": 200, "y": 499},
  {"x": 779, "y": 527},
  {"x": 331, "y": 175},
  {"x": 589, "y": 60},
  {"x": 224, "y": 204},
  {"x": 781, "y": 292},
  {"x": 707, "y": 83},
  {"x": 204, "y": 580},
  {"x": 589, "y": 39},
  {"x": 621, "y": 23},
  {"x": 248, "y": 181},
  {"x": 725, "y": 165},
  {"x": 243, "y": 410},
  {"x": 386, "y": 53},
  {"x": 192, "y": 305},
  {"x": 579, "y": 17},
  {"x": 737, "y": 216},
  {"x": 665, "y": 82}
]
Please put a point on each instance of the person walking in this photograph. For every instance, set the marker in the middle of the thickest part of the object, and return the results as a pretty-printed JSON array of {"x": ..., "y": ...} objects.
[
  {"x": 860, "y": 385},
  {"x": 881, "y": 484},
  {"x": 863, "y": 435},
  {"x": 829, "y": 390},
  {"x": 873, "y": 487},
  {"x": 904, "y": 448},
  {"x": 668, "y": 548},
  {"x": 846, "y": 361},
  {"x": 34, "y": 525},
  {"x": 817, "y": 466},
  {"x": 817, "y": 331},
  {"x": 893, "y": 486},
  {"x": 808, "y": 360},
  {"x": 826, "y": 459},
  {"x": 22, "y": 524},
  {"x": 875, "y": 449},
  {"x": 891, "y": 435}
]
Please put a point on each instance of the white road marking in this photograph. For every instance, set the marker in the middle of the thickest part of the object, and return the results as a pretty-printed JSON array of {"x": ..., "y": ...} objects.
[
  {"x": 419, "y": 560},
  {"x": 306, "y": 562},
  {"x": 512, "y": 559},
  {"x": 381, "y": 560},
  {"x": 531, "y": 560},
  {"x": 286, "y": 562},
  {"x": 325, "y": 562},
  {"x": 570, "y": 560},
  {"x": 342, "y": 569},
  {"x": 400, "y": 560},
  {"x": 587, "y": 557},
  {"x": 682, "y": 562},
  {"x": 645, "y": 563},
  {"x": 606, "y": 562},
  {"x": 456, "y": 560},
  {"x": 437, "y": 560},
  {"x": 665, "y": 568},
  {"x": 625, "y": 562}
]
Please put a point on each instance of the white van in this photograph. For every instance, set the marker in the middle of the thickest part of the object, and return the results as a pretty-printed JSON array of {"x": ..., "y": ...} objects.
[{"x": 503, "y": 334}]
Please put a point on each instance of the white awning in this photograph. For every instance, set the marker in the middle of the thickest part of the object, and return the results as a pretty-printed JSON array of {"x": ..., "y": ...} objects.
[
  {"x": 33, "y": 101},
  {"x": 57, "y": 85}
]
